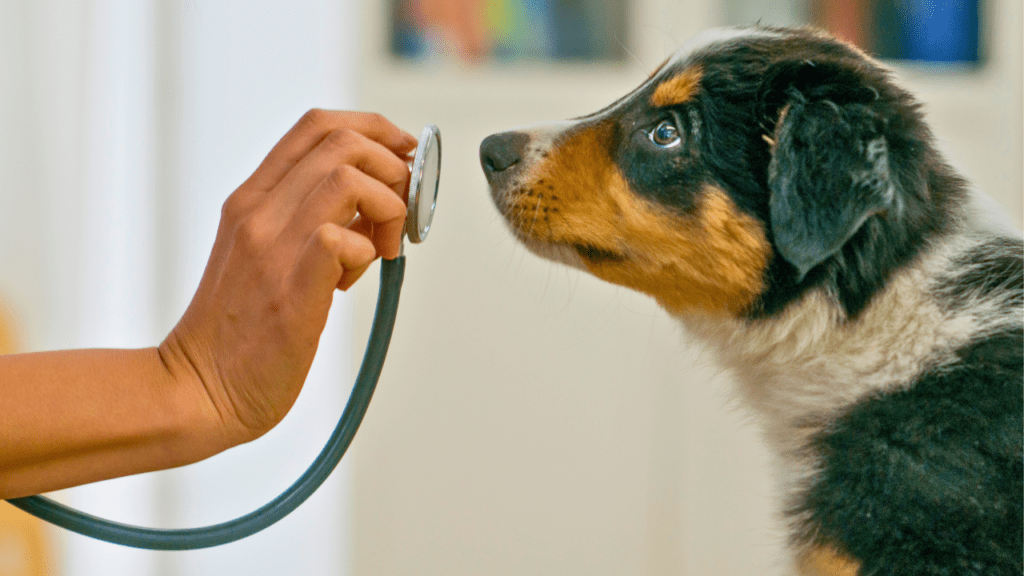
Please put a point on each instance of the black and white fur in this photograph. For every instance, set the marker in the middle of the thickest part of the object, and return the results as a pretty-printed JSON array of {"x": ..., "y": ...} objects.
[{"x": 880, "y": 342}]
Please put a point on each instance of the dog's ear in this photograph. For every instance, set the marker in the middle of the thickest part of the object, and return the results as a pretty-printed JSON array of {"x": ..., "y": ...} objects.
[{"x": 829, "y": 169}]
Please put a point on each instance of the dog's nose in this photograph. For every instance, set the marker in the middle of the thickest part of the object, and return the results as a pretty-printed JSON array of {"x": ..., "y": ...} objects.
[{"x": 501, "y": 154}]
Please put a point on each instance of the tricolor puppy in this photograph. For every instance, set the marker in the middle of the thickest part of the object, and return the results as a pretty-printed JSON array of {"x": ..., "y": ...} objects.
[{"x": 777, "y": 192}]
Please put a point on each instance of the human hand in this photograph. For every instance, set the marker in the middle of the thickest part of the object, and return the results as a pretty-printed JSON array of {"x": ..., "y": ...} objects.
[{"x": 325, "y": 203}]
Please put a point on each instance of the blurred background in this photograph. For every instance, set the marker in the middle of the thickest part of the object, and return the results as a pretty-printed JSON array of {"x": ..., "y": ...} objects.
[{"x": 531, "y": 420}]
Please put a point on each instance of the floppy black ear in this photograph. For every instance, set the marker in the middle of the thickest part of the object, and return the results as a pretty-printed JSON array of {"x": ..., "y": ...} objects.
[{"x": 828, "y": 174}]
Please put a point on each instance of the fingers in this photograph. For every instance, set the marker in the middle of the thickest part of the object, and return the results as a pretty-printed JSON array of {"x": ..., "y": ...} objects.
[
  {"x": 316, "y": 125},
  {"x": 365, "y": 230},
  {"x": 333, "y": 257},
  {"x": 331, "y": 168},
  {"x": 343, "y": 194},
  {"x": 386, "y": 237},
  {"x": 350, "y": 276},
  {"x": 344, "y": 147}
]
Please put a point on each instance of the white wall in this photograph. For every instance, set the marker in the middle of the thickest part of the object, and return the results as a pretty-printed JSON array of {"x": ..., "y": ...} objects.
[
  {"x": 534, "y": 420},
  {"x": 124, "y": 124},
  {"x": 530, "y": 419}
]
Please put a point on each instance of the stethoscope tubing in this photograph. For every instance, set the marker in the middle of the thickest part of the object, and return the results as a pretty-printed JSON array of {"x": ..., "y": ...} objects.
[{"x": 392, "y": 273}]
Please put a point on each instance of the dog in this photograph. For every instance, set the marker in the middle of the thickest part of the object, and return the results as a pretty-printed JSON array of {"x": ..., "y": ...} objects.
[{"x": 777, "y": 192}]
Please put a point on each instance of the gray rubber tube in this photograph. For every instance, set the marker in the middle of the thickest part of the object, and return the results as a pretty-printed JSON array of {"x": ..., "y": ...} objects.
[{"x": 392, "y": 272}]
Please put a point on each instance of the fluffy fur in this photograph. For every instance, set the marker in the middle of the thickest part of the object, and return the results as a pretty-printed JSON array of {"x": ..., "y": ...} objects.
[{"x": 777, "y": 192}]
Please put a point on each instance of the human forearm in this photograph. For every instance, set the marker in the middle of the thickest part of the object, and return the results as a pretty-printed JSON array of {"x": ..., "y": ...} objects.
[
  {"x": 79, "y": 416},
  {"x": 325, "y": 203}
]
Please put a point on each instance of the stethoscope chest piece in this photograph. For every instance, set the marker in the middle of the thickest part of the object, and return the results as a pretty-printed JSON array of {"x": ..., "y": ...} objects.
[{"x": 423, "y": 184}]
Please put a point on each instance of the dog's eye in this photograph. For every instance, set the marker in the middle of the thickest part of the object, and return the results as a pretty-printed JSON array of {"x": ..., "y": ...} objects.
[{"x": 665, "y": 134}]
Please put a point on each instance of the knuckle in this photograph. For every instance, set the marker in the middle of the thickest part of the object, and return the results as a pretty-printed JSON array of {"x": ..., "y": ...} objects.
[
  {"x": 365, "y": 251},
  {"x": 342, "y": 139},
  {"x": 229, "y": 209},
  {"x": 343, "y": 177},
  {"x": 342, "y": 187},
  {"x": 252, "y": 235},
  {"x": 315, "y": 118},
  {"x": 327, "y": 238},
  {"x": 344, "y": 250},
  {"x": 357, "y": 252},
  {"x": 235, "y": 206}
]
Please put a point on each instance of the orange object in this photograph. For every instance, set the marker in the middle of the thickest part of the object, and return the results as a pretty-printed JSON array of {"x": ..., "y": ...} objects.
[{"x": 24, "y": 545}]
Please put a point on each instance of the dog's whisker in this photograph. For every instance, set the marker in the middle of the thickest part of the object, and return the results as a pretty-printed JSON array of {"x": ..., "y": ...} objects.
[{"x": 626, "y": 49}]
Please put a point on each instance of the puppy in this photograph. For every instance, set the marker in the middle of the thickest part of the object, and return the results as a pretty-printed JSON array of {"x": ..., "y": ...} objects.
[{"x": 778, "y": 193}]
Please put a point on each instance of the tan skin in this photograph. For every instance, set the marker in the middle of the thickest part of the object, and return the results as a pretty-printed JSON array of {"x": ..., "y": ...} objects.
[{"x": 324, "y": 204}]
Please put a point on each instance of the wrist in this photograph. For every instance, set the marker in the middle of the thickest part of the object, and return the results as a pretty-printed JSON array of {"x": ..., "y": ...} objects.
[{"x": 203, "y": 428}]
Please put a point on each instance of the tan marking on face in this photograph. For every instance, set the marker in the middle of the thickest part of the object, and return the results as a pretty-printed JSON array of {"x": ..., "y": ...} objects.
[
  {"x": 712, "y": 260},
  {"x": 824, "y": 561},
  {"x": 678, "y": 89}
]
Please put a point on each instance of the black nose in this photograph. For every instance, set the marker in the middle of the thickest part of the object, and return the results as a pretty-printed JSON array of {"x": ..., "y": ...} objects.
[{"x": 501, "y": 154}]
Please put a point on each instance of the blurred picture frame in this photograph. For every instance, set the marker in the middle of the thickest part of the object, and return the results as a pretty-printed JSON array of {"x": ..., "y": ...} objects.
[
  {"x": 509, "y": 31},
  {"x": 934, "y": 33},
  {"x": 925, "y": 31}
]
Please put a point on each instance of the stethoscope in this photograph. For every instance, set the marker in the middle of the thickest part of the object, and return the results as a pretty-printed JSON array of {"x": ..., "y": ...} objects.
[{"x": 423, "y": 184}]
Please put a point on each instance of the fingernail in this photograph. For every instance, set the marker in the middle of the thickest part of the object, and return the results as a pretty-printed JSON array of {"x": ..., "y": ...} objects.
[{"x": 410, "y": 139}]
